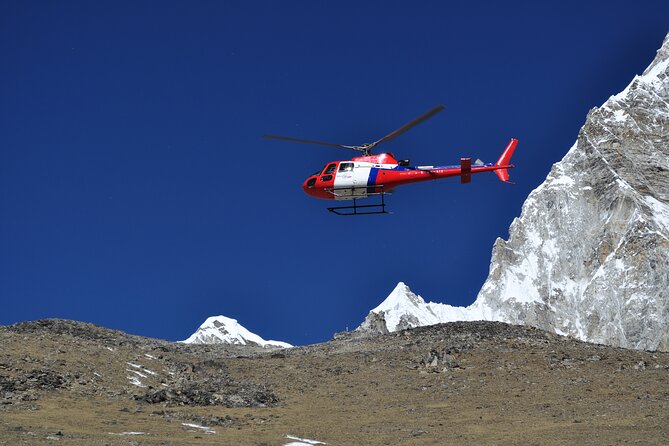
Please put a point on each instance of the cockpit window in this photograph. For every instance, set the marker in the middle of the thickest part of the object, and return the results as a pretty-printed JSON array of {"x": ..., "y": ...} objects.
[
  {"x": 346, "y": 167},
  {"x": 330, "y": 169}
]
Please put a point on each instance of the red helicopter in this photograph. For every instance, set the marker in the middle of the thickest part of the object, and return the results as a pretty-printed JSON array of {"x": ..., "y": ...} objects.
[{"x": 376, "y": 175}]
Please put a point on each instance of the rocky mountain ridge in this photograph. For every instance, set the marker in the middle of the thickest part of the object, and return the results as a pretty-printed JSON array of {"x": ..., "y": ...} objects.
[{"x": 588, "y": 255}]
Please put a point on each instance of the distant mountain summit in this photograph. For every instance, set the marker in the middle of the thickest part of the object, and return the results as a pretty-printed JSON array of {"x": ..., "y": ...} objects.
[
  {"x": 224, "y": 330},
  {"x": 404, "y": 309},
  {"x": 589, "y": 254}
]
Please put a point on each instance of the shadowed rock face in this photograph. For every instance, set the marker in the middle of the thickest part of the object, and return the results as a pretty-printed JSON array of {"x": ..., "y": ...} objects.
[
  {"x": 375, "y": 323},
  {"x": 589, "y": 254}
]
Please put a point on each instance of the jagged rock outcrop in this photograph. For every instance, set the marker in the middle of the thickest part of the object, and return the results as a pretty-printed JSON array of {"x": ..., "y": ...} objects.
[
  {"x": 589, "y": 254},
  {"x": 374, "y": 323}
]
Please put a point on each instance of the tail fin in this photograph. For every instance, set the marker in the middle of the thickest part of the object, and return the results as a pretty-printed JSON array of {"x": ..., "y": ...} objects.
[{"x": 503, "y": 174}]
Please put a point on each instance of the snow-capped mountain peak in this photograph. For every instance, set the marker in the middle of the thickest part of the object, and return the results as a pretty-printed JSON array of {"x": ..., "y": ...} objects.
[
  {"x": 225, "y": 330},
  {"x": 399, "y": 298},
  {"x": 404, "y": 309}
]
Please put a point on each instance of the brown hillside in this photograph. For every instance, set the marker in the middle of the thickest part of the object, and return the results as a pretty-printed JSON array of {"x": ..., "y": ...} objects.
[{"x": 64, "y": 382}]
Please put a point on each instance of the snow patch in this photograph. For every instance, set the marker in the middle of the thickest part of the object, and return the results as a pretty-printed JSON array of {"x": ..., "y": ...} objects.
[
  {"x": 135, "y": 381},
  {"x": 619, "y": 116},
  {"x": 301, "y": 441},
  {"x": 205, "y": 429},
  {"x": 136, "y": 372},
  {"x": 128, "y": 433},
  {"x": 660, "y": 211},
  {"x": 142, "y": 368}
]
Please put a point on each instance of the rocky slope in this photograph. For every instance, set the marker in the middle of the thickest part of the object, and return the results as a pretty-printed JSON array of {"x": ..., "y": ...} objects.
[
  {"x": 72, "y": 383},
  {"x": 55, "y": 354},
  {"x": 589, "y": 254}
]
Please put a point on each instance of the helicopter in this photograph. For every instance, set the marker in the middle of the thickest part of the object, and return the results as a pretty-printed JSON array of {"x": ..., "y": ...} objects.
[{"x": 377, "y": 175}]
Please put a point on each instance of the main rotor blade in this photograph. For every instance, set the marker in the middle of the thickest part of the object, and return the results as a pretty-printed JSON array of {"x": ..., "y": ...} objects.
[
  {"x": 308, "y": 141},
  {"x": 408, "y": 126}
]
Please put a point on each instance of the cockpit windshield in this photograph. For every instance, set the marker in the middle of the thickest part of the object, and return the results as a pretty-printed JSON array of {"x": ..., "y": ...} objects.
[{"x": 318, "y": 172}]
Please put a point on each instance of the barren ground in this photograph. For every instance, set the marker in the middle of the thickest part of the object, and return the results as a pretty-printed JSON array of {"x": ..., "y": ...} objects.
[{"x": 64, "y": 382}]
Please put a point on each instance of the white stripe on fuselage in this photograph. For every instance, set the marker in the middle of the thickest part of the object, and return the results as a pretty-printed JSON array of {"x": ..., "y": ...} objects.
[{"x": 353, "y": 184}]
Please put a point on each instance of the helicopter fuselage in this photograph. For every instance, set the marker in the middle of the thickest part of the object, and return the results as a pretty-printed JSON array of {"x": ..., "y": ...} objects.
[{"x": 363, "y": 176}]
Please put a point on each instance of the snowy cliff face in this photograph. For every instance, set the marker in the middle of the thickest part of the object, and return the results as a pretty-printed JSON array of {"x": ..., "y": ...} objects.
[
  {"x": 589, "y": 254},
  {"x": 223, "y": 330}
]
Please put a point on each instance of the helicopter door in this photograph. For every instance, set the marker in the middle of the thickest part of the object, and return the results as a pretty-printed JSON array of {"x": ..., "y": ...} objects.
[
  {"x": 360, "y": 178},
  {"x": 344, "y": 175},
  {"x": 344, "y": 181}
]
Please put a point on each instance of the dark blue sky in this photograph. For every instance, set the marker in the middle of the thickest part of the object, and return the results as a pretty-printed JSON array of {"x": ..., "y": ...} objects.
[{"x": 136, "y": 191}]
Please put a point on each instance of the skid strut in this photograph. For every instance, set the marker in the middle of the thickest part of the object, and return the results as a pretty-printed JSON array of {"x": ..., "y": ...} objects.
[{"x": 367, "y": 209}]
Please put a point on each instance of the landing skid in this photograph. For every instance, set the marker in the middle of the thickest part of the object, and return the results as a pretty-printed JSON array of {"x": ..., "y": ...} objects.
[{"x": 367, "y": 209}]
